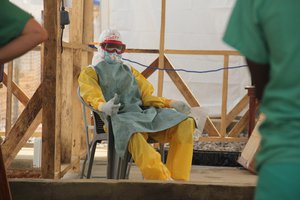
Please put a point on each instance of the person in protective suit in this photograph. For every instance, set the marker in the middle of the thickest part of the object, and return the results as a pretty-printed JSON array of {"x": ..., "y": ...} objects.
[{"x": 121, "y": 92}]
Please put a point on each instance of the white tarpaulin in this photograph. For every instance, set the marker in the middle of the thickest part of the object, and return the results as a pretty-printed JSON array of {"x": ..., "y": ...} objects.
[{"x": 190, "y": 25}]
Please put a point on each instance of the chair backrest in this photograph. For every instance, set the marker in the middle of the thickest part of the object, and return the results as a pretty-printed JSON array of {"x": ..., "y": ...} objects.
[{"x": 99, "y": 123}]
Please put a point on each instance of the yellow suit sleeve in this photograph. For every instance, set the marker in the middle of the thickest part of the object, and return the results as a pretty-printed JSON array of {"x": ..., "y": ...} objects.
[
  {"x": 147, "y": 90},
  {"x": 90, "y": 90}
]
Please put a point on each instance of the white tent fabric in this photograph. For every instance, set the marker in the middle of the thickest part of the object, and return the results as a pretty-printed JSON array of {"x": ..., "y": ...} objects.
[{"x": 190, "y": 25}]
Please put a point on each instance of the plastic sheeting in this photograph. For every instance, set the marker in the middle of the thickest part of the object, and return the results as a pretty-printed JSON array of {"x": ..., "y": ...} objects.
[{"x": 190, "y": 25}]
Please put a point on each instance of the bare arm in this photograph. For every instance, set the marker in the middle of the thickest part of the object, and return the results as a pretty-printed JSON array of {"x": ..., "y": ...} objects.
[
  {"x": 259, "y": 76},
  {"x": 32, "y": 35}
]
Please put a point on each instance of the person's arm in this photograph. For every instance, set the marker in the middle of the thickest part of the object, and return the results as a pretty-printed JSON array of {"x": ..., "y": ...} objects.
[
  {"x": 259, "y": 76},
  {"x": 90, "y": 90},
  {"x": 32, "y": 35}
]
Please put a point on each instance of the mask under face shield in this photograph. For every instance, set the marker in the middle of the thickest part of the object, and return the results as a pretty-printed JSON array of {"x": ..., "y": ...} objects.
[{"x": 112, "y": 58}]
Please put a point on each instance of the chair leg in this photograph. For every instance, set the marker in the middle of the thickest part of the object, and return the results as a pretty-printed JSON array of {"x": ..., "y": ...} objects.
[
  {"x": 83, "y": 167},
  {"x": 124, "y": 168},
  {"x": 110, "y": 157},
  {"x": 91, "y": 160},
  {"x": 162, "y": 152}
]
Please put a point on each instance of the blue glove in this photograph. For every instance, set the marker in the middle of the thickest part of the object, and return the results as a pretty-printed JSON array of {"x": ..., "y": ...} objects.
[
  {"x": 110, "y": 108},
  {"x": 181, "y": 106}
]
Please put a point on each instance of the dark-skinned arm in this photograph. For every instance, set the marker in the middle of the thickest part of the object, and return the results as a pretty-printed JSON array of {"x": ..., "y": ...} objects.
[{"x": 259, "y": 76}]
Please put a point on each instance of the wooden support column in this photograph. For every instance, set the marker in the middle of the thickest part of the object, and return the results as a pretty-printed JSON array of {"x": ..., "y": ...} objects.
[
  {"x": 9, "y": 98},
  {"x": 76, "y": 36},
  {"x": 88, "y": 36},
  {"x": 161, "y": 59},
  {"x": 252, "y": 109},
  {"x": 51, "y": 111},
  {"x": 224, "y": 96}
]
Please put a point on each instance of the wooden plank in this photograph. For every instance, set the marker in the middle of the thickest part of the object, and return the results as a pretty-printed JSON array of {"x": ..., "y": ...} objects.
[
  {"x": 84, "y": 47},
  {"x": 224, "y": 97},
  {"x": 66, "y": 105},
  {"x": 88, "y": 36},
  {"x": 203, "y": 52},
  {"x": 237, "y": 109},
  {"x": 247, "y": 158},
  {"x": 51, "y": 110},
  {"x": 149, "y": 71},
  {"x": 35, "y": 134},
  {"x": 25, "y": 125},
  {"x": 188, "y": 95},
  {"x": 240, "y": 126},
  {"x": 147, "y": 51},
  {"x": 17, "y": 91},
  {"x": 161, "y": 58},
  {"x": 24, "y": 173},
  {"x": 88, "y": 25},
  {"x": 9, "y": 98},
  {"x": 76, "y": 36}
]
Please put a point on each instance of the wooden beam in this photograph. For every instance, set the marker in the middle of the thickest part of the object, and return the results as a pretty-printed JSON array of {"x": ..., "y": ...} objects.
[
  {"x": 66, "y": 105},
  {"x": 88, "y": 36},
  {"x": 23, "y": 128},
  {"x": 51, "y": 119},
  {"x": 161, "y": 59},
  {"x": 224, "y": 96},
  {"x": 24, "y": 173},
  {"x": 203, "y": 52},
  {"x": 240, "y": 126},
  {"x": 149, "y": 71},
  {"x": 9, "y": 98},
  {"x": 241, "y": 105},
  {"x": 148, "y": 51},
  {"x": 16, "y": 90},
  {"x": 77, "y": 36},
  {"x": 187, "y": 94}
]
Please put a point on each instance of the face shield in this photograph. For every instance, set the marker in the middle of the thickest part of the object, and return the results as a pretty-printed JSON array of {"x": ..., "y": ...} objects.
[{"x": 113, "y": 46}]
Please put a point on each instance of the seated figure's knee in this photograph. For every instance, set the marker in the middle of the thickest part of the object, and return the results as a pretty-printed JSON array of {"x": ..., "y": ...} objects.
[{"x": 185, "y": 130}]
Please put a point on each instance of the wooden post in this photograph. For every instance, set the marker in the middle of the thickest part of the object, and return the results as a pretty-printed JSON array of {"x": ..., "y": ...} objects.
[
  {"x": 4, "y": 187},
  {"x": 88, "y": 36},
  {"x": 9, "y": 98},
  {"x": 76, "y": 36},
  {"x": 161, "y": 59},
  {"x": 252, "y": 109},
  {"x": 51, "y": 123},
  {"x": 224, "y": 96}
]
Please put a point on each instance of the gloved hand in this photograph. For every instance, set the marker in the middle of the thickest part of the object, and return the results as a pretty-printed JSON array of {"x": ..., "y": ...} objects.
[
  {"x": 110, "y": 108},
  {"x": 181, "y": 106}
]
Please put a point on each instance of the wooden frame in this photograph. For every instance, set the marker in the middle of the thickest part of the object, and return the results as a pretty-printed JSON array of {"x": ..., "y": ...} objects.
[{"x": 56, "y": 106}]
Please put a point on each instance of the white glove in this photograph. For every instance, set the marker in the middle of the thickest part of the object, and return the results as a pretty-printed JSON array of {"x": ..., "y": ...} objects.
[
  {"x": 110, "y": 108},
  {"x": 180, "y": 106}
]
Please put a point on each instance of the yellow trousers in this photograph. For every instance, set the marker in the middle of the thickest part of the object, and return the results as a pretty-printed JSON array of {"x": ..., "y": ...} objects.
[{"x": 179, "y": 160}]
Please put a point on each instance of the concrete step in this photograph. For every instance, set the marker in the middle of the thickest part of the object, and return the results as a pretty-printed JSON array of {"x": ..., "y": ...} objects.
[{"x": 126, "y": 189}]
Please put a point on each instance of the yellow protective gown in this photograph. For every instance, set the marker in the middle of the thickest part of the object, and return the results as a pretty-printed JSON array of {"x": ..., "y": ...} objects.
[{"x": 148, "y": 160}]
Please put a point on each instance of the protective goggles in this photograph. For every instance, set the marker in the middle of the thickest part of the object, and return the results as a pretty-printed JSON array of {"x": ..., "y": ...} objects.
[{"x": 112, "y": 46}]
